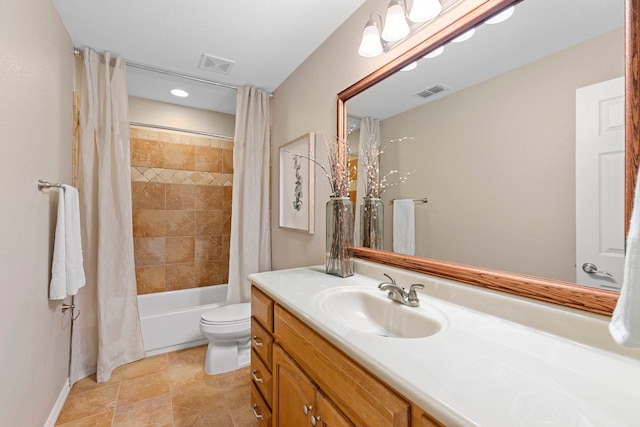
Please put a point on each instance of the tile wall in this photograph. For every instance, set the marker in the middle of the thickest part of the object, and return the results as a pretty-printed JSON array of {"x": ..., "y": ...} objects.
[{"x": 181, "y": 195}]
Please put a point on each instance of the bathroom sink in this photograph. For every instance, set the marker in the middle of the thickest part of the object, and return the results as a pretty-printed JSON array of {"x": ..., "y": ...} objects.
[{"x": 369, "y": 311}]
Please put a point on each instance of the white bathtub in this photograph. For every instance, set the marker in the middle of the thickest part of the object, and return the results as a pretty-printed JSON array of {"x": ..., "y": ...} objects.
[{"x": 171, "y": 320}]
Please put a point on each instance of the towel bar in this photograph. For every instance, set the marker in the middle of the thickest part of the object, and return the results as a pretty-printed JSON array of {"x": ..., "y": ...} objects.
[
  {"x": 425, "y": 200},
  {"x": 42, "y": 185}
]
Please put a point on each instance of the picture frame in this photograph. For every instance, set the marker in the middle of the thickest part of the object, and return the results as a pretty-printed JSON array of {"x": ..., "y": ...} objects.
[{"x": 297, "y": 173}]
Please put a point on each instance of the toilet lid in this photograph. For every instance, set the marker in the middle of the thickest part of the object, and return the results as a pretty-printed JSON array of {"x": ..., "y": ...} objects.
[{"x": 230, "y": 313}]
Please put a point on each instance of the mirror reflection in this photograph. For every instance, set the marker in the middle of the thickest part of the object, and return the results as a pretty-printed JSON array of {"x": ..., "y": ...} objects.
[{"x": 498, "y": 123}]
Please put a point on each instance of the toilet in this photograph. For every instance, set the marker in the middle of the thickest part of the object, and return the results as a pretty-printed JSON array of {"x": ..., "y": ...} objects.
[{"x": 228, "y": 329}]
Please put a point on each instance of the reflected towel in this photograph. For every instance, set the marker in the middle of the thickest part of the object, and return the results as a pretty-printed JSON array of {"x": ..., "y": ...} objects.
[
  {"x": 404, "y": 234},
  {"x": 625, "y": 321},
  {"x": 67, "y": 272}
]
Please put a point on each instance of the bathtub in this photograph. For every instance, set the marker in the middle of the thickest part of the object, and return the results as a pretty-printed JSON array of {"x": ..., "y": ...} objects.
[{"x": 171, "y": 320}]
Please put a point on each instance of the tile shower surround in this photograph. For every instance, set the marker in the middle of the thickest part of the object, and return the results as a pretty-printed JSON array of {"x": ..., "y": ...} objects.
[{"x": 181, "y": 195}]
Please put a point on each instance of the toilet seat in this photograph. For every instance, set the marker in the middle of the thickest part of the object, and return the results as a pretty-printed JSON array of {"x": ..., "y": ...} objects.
[{"x": 230, "y": 314}]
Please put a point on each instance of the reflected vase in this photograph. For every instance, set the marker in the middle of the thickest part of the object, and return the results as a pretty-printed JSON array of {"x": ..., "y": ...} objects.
[
  {"x": 372, "y": 223},
  {"x": 339, "y": 249}
]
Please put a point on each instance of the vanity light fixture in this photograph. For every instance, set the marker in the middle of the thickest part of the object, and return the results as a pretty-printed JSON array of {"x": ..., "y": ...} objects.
[
  {"x": 179, "y": 92},
  {"x": 398, "y": 24}
]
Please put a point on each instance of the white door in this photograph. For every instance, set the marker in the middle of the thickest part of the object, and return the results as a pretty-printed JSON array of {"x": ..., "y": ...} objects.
[{"x": 600, "y": 184}]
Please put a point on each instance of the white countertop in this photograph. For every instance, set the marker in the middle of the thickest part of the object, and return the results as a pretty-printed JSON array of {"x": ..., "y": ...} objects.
[{"x": 479, "y": 370}]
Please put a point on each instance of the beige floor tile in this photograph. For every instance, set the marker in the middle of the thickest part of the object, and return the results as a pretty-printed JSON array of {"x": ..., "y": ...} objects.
[
  {"x": 90, "y": 383},
  {"x": 103, "y": 419},
  {"x": 235, "y": 378},
  {"x": 152, "y": 412},
  {"x": 189, "y": 356},
  {"x": 143, "y": 388},
  {"x": 146, "y": 366},
  {"x": 221, "y": 418},
  {"x": 199, "y": 397},
  {"x": 166, "y": 390},
  {"x": 88, "y": 403}
]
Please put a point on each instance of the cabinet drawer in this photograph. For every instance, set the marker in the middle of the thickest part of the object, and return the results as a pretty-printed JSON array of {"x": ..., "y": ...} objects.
[
  {"x": 261, "y": 378},
  {"x": 262, "y": 308},
  {"x": 364, "y": 399},
  {"x": 260, "y": 408},
  {"x": 261, "y": 342}
]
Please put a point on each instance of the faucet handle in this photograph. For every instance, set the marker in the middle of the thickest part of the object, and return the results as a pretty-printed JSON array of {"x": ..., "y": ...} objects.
[
  {"x": 413, "y": 297},
  {"x": 392, "y": 281}
]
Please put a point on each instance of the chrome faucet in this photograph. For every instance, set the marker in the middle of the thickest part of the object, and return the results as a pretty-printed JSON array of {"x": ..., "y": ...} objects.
[{"x": 397, "y": 293}]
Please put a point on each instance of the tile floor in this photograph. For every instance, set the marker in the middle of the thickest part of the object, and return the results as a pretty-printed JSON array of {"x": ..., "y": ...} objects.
[{"x": 170, "y": 389}]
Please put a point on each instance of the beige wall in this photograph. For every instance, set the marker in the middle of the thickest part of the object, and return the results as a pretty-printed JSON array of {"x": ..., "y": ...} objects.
[
  {"x": 151, "y": 112},
  {"x": 519, "y": 125},
  {"x": 306, "y": 101},
  {"x": 36, "y": 69}
]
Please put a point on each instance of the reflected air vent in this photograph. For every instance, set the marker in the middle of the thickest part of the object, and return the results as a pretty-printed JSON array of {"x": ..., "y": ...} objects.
[
  {"x": 212, "y": 63},
  {"x": 433, "y": 90}
]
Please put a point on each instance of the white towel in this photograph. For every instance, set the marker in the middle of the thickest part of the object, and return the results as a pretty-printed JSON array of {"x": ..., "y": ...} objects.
[
  {"x": 67, "y": 272},
  {"x": 625, "y": 322},
  {"x": 404, "y": 228}
]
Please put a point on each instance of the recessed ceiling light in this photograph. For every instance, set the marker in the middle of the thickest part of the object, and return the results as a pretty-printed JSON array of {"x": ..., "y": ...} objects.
[{"x": 179, "y": 92}]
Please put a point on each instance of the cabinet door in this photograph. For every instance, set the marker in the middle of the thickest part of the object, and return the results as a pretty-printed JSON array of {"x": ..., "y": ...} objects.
[
  {"x": 293, "y": 393},
  {"x": 327, "y": 415}
]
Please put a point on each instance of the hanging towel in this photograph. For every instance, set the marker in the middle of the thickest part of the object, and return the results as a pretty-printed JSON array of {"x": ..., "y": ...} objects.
[
  {"x": 625, "y": 321},
  {"x": 404, "y": 234},
  {"x": 67, "y": 272}
]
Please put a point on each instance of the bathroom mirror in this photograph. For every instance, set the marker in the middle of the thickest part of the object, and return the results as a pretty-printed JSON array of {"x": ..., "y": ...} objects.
[{"x": 551, "y": 289}]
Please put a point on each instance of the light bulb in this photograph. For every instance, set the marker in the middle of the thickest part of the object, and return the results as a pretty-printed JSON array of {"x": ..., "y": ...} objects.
[
  {"x": 395, "y": 24},
  {"x": 370, "y": 45},
  {"x": 424, "y": 10}
]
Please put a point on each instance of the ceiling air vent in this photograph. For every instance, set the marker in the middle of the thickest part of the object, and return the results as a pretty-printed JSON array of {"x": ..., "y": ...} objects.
[
  {"x": 433, "y": 90},
  {"x": 213, "y": 63}
]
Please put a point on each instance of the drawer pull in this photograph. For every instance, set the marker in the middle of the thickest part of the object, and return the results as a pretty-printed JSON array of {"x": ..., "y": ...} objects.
[
  {"x": 256, "y": 342},
  {"x": 255, "y": 413},
  {"x": 306, "y": 409},
  {"x": 255, "y": 378},
  {"x": 315, "y": 420}
]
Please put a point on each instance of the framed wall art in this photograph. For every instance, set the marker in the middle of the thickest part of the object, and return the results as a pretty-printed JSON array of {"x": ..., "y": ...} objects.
[{"x": 297, "y": 173}]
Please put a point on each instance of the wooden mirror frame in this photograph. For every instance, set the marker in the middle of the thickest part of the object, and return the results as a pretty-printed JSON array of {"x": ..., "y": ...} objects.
[{"x": 554, "y": 291}]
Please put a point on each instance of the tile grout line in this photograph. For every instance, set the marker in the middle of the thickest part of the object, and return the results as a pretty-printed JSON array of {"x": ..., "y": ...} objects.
[{"x": 115, "y": 408}]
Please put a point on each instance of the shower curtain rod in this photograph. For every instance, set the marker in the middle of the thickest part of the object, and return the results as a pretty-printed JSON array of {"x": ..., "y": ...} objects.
[
  {"x": 78, "y": 52},
  {"x": 197, "y": 132}
]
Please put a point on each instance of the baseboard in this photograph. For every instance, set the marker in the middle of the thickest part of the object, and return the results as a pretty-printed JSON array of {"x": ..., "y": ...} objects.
[{"x": 62, "y": 397}]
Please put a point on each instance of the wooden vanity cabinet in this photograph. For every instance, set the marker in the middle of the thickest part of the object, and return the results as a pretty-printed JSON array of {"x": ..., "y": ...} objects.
[
  {"x": 298, "y": 402},
  {"x": 261, "y": 356},
  {"x": 295, "y": 370}
]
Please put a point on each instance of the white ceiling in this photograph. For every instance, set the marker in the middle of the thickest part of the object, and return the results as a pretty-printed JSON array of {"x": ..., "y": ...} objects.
[{"x": 267, "y": 40}]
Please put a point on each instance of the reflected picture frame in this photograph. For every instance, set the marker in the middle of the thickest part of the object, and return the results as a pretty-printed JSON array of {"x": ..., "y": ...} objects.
[{"x": 297, "y": 172}]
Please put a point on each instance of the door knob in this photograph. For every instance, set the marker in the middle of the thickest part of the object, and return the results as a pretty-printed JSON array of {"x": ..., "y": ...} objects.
[{"x": 591, "y": 268}]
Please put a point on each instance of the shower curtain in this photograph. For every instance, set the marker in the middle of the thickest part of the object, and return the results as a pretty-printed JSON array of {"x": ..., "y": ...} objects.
[
  {"x": 250, "y": 246},
  {"x": 107, "y": 333},
  {"x": 369, "y": 129}
]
